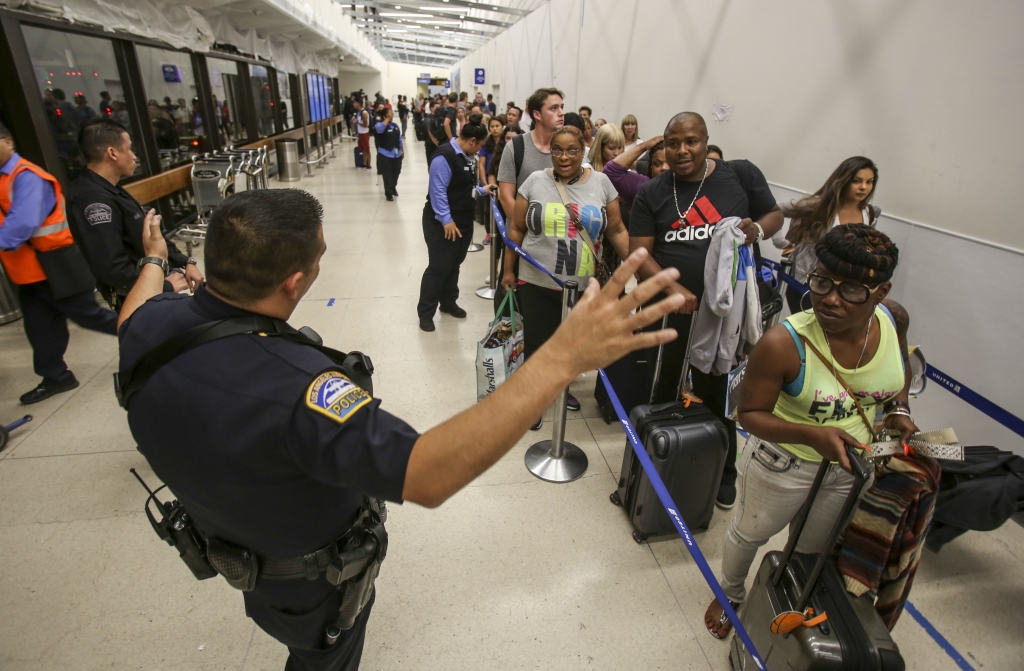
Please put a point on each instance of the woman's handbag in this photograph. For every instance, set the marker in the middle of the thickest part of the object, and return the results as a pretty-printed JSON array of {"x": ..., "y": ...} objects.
[{"x": 500, "y": 353}]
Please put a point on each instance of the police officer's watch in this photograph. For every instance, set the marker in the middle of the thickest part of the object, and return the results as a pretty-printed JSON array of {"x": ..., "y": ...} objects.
[
  {"x": 191, "y": 261},
  {"x": 155, "y": 261}
]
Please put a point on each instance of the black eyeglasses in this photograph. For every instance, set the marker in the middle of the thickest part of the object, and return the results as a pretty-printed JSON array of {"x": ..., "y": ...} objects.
[
  {"x": 572, "y": 153},
  {"x": 851, "y": 292}
]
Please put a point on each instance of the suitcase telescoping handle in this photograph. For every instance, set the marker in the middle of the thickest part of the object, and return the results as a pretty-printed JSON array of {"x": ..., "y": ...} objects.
[
  {"x": 684, "y": 379},
  {"x": 861, "y": 476}
]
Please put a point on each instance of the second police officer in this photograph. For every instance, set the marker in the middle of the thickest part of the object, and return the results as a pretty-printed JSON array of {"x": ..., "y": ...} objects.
[
  {"x": 107, "y": 221},
  {"x": 286, "y": 441}
]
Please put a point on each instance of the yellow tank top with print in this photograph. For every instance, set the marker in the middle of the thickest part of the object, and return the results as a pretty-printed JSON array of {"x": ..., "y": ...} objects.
[{"x": 812, "y": 398}]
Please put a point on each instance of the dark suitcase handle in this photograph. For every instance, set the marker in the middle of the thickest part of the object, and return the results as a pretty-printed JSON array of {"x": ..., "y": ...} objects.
[
  {"x": 861, "y": 476},
  {"x": 686, "y": 360}
]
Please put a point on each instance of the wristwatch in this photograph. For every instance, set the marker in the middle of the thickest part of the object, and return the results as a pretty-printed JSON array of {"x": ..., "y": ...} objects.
[
  {"x": 191, "y": 261},
  {"x": 155, "y": 261}
]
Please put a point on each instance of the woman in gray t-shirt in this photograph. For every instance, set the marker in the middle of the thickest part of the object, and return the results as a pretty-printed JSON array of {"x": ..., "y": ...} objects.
[{"x": 542, "y": 226}]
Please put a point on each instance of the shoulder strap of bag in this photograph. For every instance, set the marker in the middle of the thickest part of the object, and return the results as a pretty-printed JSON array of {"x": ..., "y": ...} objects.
[
  {"x": 518, "y": 152},
  {"x": 576, "y": 223},
  {"x": 128, "y": 382},
  {"x": 839, "y": 378}
]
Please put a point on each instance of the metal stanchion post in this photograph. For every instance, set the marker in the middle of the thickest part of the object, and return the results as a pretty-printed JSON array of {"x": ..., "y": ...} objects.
[
  {"x": 321, "y": 149},
  {"x": 475, "y": 246},
  {"x": 556, "y": 460},
  {"x": 492, "y": 280},
  {"x": 305, "y": 143},
  {"x": 330, "y": 134}
]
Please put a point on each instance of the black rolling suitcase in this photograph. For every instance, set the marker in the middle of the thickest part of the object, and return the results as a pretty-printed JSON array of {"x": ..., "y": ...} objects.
[
  {"x": 852, "y": 637},
  {"x": 359, "y": 158},
  {"x": 688, "y": 446},
  {"x": 628, "y": 376}
]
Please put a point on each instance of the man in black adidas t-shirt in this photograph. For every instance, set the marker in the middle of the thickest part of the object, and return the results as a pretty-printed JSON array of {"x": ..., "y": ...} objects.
[{"x": 674, "y": 216}]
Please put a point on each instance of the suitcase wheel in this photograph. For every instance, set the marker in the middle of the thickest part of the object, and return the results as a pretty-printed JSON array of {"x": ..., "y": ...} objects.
[
  {"x": 639, "y": 537},
  {"x": 614, "y": 498}
]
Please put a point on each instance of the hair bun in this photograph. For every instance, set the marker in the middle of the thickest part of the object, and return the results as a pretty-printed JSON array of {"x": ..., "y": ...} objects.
[
  {"x": 859, "y": 252},
  {"x": 476, "y": 119}
]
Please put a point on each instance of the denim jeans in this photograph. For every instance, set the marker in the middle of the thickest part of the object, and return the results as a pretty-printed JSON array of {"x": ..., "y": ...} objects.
[{"x": 772, "y": 486}]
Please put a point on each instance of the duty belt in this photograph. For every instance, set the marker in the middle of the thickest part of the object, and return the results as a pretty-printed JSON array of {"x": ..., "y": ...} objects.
[{"x": 942, "y": 444}]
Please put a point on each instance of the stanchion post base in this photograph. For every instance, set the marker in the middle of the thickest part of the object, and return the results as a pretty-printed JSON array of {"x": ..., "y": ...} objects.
[
  {"x": 485, "y": 292},
  {"x": 475, "y": 247},
  {"x": 571, "y": 466}
]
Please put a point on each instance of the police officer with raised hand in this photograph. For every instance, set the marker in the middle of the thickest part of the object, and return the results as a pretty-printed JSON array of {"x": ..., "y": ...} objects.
[
  {"x": 107, "y": 221},
  {"x": 33, "y": 224},
  {"x": 286, "y": 444}
]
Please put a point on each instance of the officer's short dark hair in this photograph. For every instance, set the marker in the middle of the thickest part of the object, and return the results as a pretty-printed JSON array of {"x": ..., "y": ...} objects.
[
  {"x": 98, "y": 134},
  {"x": 257, "y": 239},
  {"x": 4, "y": 133}
]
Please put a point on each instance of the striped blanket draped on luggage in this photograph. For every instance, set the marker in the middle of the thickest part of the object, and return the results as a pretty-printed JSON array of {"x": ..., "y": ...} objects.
[{"x": 883, "y": 544}]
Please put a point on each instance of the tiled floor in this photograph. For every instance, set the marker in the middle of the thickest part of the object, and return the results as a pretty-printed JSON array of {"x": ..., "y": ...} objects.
[{"x": 511, "y": 573}]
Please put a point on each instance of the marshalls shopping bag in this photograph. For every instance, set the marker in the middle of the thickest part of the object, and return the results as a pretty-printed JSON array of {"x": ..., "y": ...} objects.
[{"x": 500, "y": 353}]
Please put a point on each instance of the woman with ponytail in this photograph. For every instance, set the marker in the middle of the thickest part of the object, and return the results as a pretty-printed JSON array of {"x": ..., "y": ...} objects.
[{"x": 795, "y": 400}]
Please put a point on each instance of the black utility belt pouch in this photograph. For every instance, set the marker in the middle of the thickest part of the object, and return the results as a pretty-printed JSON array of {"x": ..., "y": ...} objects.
[{"x": 239, "y": 566}]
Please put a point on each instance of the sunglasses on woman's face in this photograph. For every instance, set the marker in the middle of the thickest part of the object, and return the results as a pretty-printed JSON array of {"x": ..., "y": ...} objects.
[
  {"x": 571, "y": 153},
  {"x": 851, "y": 292}
]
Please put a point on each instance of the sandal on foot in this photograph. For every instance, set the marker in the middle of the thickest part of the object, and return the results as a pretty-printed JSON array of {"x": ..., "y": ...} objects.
[{"x": 717, "y": 621}]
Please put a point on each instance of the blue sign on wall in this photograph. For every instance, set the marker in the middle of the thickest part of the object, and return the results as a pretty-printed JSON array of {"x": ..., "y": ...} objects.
[
  {"x": 478, "y": 77},
  {"x": 171, "y": 74},
  {"x": 447, "y": 83}
]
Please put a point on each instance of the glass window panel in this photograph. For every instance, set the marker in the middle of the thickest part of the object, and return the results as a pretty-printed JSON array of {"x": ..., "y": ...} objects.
[
  {"x": 227, "y": 99},
  {"x": 78, "y": 80},
  {"x": 174, "y": 111},
  {"x": 284, "y": 109},
  {"x": 259, "y": 81}
]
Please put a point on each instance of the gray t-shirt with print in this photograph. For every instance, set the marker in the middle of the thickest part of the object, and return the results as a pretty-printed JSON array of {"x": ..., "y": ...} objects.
[
  {"x": 551, "y": 239},
  {"x": 533, "y": 160}
]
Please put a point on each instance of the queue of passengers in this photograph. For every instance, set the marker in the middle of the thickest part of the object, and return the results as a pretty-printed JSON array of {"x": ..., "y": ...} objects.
[{"x": 667, "y": 194}]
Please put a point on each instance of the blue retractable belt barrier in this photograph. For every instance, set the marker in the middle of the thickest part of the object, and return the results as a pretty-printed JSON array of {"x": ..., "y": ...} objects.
[
  {"x": 677, "y": 520},
  {"x": 1001, "y": 415},
  {"x": 965, "y": 393},
  {"x": 499, "y": 221}
]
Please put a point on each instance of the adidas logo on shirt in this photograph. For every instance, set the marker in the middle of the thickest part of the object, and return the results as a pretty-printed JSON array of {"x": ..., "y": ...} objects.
[{"x": 699, "y": 225}]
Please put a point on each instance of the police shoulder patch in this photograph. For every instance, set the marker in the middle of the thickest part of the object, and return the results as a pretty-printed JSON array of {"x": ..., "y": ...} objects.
[
  {"x": 98, "y": 213},
  {"x": 334, "y": 395}
]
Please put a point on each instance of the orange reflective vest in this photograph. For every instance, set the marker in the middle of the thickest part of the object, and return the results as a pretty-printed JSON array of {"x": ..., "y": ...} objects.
[{"x": 21, "y": 265}]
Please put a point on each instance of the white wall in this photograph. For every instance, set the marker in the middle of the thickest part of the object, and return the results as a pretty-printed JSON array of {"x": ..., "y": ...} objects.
[{"x": 931, "y": 90}]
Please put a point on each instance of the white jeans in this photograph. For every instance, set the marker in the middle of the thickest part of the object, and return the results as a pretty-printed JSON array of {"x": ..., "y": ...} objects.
[{"x": 772, "y": 486}]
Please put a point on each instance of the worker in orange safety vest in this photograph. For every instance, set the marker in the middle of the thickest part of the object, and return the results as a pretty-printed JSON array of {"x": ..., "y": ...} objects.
[{"x": 33, "y": 221}]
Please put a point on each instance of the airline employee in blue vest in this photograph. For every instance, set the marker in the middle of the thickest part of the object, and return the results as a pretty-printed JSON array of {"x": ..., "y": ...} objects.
[
  {"x": 390, "y": 150},
  {"x": 448, "y": 220}
]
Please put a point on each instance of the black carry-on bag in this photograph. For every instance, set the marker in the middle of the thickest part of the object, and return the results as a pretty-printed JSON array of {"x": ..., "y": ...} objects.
[
  {"x": 850, "y": 634},
  {"x": 687, "y": 445}
]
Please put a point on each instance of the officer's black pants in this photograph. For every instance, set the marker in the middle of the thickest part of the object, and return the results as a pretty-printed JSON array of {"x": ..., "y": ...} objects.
[
  {"x": 297, "y": 613},
  {"x": 389, "y": 169},
  {"x": 712, "y": 389},
  {"x": 46, "y": 325},
  {"x": 440, "y": 285}
]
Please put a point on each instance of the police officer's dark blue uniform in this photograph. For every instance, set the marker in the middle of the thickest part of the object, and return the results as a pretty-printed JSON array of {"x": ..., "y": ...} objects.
[{"x": 272, "y": 462}]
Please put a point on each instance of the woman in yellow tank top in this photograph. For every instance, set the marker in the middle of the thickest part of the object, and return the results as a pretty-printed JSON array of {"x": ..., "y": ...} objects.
[{"x": 797, "y": 411}]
